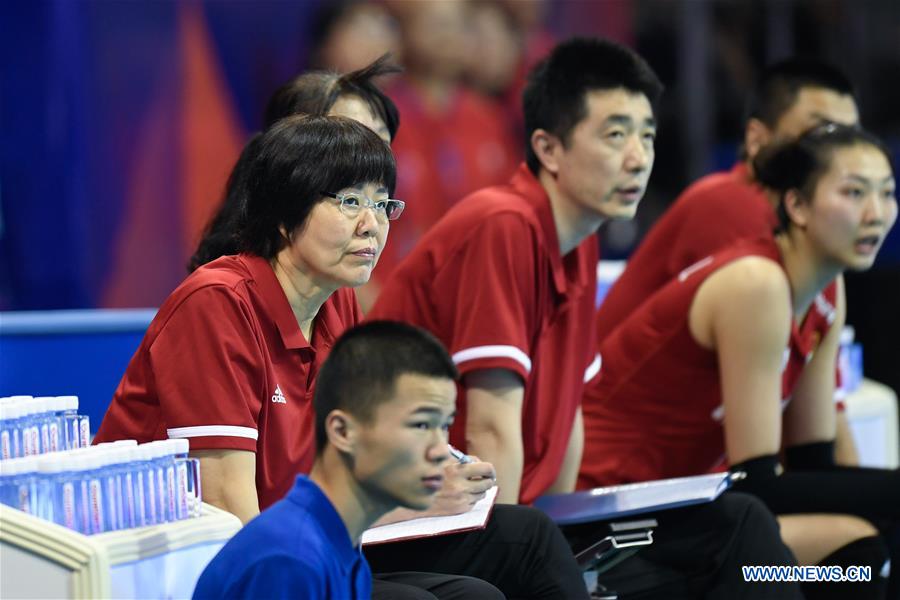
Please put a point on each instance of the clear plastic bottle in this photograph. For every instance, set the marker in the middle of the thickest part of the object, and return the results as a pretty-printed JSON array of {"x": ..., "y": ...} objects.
[
  {"x": 32, "y": 426},
  {"x": 145, "y": 496},
  {"x": 19, "y": 484},
  {"x": 10, "y": 441},
  {"x": 187, "y": 480},
  {"x": 118, "y": 459},
  {"x": 53, "y": 471},
  {"x": 43, "y": 416},
  {"x": 161, "y": 460},
  {"x": 69, "y": 421},
  {"x": 95, "y": 467},
  {"x": 23, "y": 408}
]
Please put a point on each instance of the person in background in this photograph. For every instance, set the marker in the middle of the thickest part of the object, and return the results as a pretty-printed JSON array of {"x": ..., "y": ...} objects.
[
  {"x": 732, "y": 359},
  {"x": 353, "y": 95},
  {"x": 346, "y": 35},
  {"x": 789, "y": 98},
  {"x": 507, "y": 281},
  {"x": 383, "y": 404},
  {"x": 454, "y": 140}
]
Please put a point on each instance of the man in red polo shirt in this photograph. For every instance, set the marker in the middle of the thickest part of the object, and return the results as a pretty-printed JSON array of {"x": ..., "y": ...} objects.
[{"x": 507, "y": 279}]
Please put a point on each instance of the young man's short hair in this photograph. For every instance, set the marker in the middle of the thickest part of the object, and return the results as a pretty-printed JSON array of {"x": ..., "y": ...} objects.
[
  {"x": 777, "y": 88},
  {"x": 554, "y": 98},
  {"x": 362, "y": 368}
]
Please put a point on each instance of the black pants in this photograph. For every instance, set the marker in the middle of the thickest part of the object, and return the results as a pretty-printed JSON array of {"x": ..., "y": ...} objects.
[
  {"x": 521, "y": 552},
  {"x": 698, "y": 552},
  {"x": 414, "y": 585}
]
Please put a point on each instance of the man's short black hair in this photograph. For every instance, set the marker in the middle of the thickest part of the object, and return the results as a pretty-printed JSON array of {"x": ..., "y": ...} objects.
[
  {"x": 777, "y": 88},
  {"x": 293, "y": 163},
  {"x": 362, "y": 368},
  {"x": 555, "y": 96}
]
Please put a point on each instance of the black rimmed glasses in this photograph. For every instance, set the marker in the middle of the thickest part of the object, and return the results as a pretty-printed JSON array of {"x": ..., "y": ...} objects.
[{"x": 352, "y": 203}]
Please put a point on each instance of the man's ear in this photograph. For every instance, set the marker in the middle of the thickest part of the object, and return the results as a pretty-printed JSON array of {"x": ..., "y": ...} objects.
[
  {"x": 797, "y": 208},
  {"x": 342, "y": 431},
  {"x": 756, "y": 135},
  {"x": 546, "y": 147}
]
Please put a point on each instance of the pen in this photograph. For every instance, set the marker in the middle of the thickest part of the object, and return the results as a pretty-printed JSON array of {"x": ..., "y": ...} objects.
[{"x": 459, "y": 455}]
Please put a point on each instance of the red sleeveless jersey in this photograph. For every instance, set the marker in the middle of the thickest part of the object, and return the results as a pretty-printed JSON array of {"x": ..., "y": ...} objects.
[{"x": 656, "y": 409}]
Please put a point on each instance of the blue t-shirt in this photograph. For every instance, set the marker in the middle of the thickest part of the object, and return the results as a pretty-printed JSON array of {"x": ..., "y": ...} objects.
[{"x": 297, "y": 548}]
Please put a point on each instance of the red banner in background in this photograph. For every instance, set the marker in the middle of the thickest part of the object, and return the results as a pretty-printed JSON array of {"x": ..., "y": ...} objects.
[{"x": 187, "y": 147}]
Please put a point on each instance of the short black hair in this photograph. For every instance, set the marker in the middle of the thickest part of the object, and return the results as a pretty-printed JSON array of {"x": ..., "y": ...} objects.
[
  {"x": 296, "y": 160},
  {"x": 312, "y": 93},
  {"x": 362, "y": 368},
  {"x": 555, "y": 95},
  {"x": 799, "y": 164},
  {"x": 779, "y": 84},
  {"x": 316, "y": 92}
]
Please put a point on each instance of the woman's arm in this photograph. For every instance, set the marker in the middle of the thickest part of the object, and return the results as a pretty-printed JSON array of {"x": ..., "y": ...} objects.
[
  {"x": 810, "y": 417},
  {"x": 228, "y": 481},
  {"x": 743, "y": 313}
]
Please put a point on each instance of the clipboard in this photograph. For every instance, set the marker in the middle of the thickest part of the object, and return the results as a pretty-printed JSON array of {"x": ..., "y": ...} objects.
[
  {"x": 475, "y": 518},
  {"x": 618, "y": 501}
]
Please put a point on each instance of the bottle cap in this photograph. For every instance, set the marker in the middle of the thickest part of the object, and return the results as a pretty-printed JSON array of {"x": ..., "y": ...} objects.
[
  {"x": 67, "y": 402},
  {"x": 178, "y": 445}
]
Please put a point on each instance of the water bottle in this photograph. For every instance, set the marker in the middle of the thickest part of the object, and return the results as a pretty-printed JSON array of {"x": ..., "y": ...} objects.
[
  {"x": 94, "y": 470},
  {"x": 69, "y": 423},
  {"x": 187, "y": 479},
  {"x": 145, "y": 496},
  {"x": 52, "y": 503},
  {"x": 23, "y": 423},
  {"x": 119, "y": 457},
  {"x": 43, "y": 416},
  {"x": 160, "y": 461},
  {"x": 10, "y": 443},
  {"x": 19, "y": 484}
]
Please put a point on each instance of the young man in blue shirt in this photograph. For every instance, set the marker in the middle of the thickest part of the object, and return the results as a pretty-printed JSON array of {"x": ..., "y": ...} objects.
[{"x": 384, "y": 402}]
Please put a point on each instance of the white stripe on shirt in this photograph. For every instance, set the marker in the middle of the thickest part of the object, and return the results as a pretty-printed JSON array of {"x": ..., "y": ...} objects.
[
  {"x": 213, "y": 431},
  {"x": 493, "y": 352},
  {"x": 593, "y": 368}
]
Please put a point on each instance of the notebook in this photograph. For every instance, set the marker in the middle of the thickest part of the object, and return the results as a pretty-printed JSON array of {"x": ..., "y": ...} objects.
[
  {"x": 476, "y": 518},
  {"x": 616, "y": 501}
]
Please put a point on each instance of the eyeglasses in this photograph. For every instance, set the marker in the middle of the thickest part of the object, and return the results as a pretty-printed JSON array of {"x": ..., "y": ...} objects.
[{"x": 352, "y": 203}]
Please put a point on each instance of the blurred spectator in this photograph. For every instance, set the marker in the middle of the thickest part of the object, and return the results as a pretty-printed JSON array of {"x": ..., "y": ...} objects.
[
  {"x": 497, "y": 47},
  {"x": 453, "y": 141},
  {"x": 349, "y": 34}
]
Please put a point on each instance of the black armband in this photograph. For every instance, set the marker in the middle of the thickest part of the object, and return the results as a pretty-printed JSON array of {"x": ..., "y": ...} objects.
[
  {"x": 759, "y": 468},
  {"x": 815, "y": 456}
]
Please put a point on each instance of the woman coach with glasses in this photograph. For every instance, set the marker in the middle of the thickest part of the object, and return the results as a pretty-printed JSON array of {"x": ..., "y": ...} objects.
[{"x": 230, "y": 358}]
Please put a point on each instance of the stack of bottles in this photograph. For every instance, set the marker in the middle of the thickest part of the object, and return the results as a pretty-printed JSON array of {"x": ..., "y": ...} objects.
[
  {"x": 108, "y": 487},
  {"x": 31, "y": 426}
]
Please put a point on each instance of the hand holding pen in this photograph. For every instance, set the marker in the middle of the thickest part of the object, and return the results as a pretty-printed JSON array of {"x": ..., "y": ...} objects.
[{"x": 466, "y": 479}]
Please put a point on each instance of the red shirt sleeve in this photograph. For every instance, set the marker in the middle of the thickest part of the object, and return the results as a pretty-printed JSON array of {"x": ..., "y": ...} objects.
[
  {"x": 712, "y": 222},
  {"x": 489, "y": 292},
  {"x": 209, "y": 365}
]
